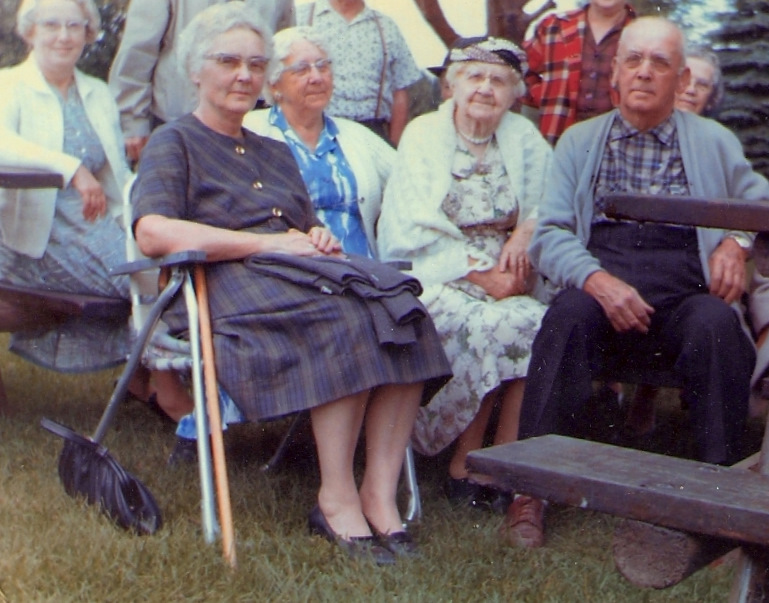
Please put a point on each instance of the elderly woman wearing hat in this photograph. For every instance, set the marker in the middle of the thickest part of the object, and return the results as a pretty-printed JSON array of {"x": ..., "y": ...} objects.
[{"x": 461, "y": 204}]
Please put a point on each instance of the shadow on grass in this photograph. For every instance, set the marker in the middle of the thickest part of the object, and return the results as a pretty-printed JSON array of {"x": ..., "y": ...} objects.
[{"x": 55, "y": 549}]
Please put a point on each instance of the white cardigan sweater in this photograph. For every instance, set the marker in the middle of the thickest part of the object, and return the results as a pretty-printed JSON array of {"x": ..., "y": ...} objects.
[
  {"x": 368, "y": 155},
  {"x": 414, "y": 227},
  {"x": 32, "y": 136}
]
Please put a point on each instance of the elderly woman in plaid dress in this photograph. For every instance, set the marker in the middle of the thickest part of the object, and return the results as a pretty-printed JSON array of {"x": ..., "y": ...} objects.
[{"x": 205, "y": 182}]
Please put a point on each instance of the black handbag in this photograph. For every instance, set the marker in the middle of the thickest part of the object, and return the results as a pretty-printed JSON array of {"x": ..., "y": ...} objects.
[{"x": 86, "y": 468}]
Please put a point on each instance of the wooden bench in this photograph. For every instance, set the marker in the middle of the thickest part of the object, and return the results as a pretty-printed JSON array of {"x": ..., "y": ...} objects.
[
  {"x": 695, "y": 510},
  {"x": 25, "y": 307},
  {"x": 678, "y": 493}
]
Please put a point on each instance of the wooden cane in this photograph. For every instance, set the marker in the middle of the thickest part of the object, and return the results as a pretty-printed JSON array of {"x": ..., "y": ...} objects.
[{"x": 215, "y": 419}]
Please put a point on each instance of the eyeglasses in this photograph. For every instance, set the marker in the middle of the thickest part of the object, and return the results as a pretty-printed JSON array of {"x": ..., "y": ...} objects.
[
  {"x": 303, "y": 68},
  {"x": 257, "y": 65},
  {"x": 702, "y": 86},
  {"x": 54, "y": 26},
  {"x": 658, "y": 63}
]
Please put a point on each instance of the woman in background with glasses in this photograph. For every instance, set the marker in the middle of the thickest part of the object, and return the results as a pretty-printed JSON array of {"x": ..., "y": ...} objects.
[
  {"x": 343, "y": 164},
  {"x": 55, "y": 118}
]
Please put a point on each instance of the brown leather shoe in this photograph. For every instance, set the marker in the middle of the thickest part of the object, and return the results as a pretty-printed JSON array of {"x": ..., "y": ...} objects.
[{"x": 525, "y": 522}]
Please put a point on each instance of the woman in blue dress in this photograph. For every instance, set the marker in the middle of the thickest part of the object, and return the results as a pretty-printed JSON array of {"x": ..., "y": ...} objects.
[{"x": 343, "y": 164}]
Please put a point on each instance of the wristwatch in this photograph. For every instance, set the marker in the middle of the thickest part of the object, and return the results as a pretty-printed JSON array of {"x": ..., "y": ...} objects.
[{"x": 744, "y": 242}]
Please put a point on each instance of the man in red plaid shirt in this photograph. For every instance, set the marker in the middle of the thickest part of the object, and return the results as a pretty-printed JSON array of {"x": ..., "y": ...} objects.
[{"x": 570, "y": 58}]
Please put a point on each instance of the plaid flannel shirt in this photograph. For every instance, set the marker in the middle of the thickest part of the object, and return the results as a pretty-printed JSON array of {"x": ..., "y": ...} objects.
[{"x": 555, "y": 66}]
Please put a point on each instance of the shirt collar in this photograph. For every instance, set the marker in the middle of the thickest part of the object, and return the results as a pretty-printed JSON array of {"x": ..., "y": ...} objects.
[
  {"x": 326, "y": 141},
  {"x": 664, "y": 132},
  {"x": 324, "y": 6}
]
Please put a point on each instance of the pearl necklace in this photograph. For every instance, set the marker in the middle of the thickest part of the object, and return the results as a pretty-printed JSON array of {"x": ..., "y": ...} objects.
[{"x": 478, "y": 141}]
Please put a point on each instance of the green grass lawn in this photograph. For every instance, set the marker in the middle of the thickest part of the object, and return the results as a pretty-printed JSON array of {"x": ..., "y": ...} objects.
[{"x": 54, "y": 548}]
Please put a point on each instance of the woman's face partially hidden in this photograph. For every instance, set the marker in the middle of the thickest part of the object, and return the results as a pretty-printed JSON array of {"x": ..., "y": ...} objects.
[
  {"x": 697, "y": 94},
  {"x": 233, "y": 71},
  {"x": 58, "y": 36}
]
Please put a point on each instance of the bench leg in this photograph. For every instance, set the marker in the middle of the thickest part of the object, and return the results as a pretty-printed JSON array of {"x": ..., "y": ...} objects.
[
  {"x": 3, "y": 398},
  {"x": 751, "y": 581}
]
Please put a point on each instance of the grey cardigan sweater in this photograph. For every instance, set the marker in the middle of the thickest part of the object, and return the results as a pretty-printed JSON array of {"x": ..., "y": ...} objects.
[{"x": 715, "y": 168}]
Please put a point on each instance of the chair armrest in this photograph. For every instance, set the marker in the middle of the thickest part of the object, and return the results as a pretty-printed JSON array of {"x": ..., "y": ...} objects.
[
  {"x": 172, "y": 259},
  {"x": 399, "y": 264}
]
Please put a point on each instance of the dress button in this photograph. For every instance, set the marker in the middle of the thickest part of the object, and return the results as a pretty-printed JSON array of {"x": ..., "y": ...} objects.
[
  {"x": 277, "y": 212},
  {"x": 240, "y": 150},
  {"x": 257, "y": 185}
]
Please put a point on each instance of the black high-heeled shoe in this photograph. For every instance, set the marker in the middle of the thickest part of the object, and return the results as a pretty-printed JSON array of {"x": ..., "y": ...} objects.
[
  {"x": 400, "y": 544},
  {"x": 357, "y": 547}
]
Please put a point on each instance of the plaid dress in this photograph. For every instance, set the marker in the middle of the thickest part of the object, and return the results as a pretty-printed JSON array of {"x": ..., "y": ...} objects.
[{"x": 280, "y": 347}]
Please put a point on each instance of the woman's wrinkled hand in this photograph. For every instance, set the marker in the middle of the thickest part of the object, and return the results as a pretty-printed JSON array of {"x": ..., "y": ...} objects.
[
  {"x": 514, "y": 259},
  {"x": 324, "y": 241},
  {"x": 498, "y": 284},
  {"x": 91, "y": 192},
  {"x": 319, "y": 241}
]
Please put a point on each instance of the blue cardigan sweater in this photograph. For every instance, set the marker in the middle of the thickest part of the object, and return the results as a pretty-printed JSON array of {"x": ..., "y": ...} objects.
[{"x": 715, "y": 166}]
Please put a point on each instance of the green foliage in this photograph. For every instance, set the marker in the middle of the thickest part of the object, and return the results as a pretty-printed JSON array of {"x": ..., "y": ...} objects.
[
  {"x": 742, "y": 46},
  {"x": 54, "y": 548},
  {"x": 12, "y": 47}
]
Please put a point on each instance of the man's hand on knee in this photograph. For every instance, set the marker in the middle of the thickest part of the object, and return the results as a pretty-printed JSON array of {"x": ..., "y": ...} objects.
[
  {"x": 623, "y": 305},
  {"x": 727, "y": 270}
]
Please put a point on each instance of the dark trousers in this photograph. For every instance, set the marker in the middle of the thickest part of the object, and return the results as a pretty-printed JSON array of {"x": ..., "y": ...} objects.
[{"x": 695, "y": 333}]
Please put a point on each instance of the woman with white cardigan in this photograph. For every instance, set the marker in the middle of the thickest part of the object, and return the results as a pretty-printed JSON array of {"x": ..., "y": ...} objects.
[
  {"x": 54, "y": 117},
  {"x": 344, "y": 166},
  {"x": 461, "y": 204}
]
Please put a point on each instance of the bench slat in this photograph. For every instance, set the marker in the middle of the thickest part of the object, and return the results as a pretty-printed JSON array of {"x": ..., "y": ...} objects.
[
  {"x": 15, "y": 177},
  {"x": 730, "y": 214},
  {"x": 22, "y": 307},
  {"x": 672, "y": 492}
]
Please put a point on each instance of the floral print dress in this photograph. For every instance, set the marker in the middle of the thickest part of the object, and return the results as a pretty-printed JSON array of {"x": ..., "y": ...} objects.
[
  {"x": 77, "y": 259},
  {"x": 487, "y": 341}
]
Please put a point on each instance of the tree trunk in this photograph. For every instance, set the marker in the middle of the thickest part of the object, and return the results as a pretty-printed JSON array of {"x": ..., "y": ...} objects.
[
  {"x": 507, "y": 19},
  {"x": 433, "y": 14}
]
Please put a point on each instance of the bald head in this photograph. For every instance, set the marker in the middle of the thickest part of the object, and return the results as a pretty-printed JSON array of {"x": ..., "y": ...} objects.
[{"x": 649, "y": 70}]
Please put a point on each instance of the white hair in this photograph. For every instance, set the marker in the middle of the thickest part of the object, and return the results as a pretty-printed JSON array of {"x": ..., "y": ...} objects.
[
  {"x": 27, "y": 13},
  {"x": 283, "y": 41},
  {"x": 196, "y": 39}
]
